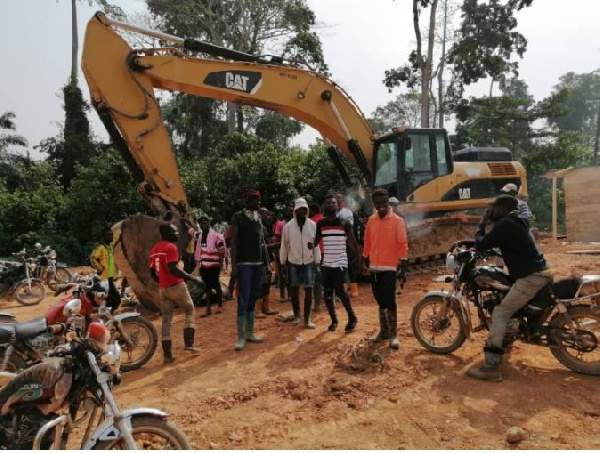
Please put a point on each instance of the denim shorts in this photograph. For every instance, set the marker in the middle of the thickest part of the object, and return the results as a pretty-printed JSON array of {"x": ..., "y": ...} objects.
[{"x": 302, "y": 274}]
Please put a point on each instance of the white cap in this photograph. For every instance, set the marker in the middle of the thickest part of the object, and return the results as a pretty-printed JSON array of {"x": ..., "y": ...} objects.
[
  {"x": 394, "y": 200},
  {"x": 300, "y": 203},
  {"x": 508, "y": 188}
]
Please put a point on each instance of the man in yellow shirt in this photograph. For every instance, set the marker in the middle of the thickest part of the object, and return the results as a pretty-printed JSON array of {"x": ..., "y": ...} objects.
[{"x": 102, "y": 259}]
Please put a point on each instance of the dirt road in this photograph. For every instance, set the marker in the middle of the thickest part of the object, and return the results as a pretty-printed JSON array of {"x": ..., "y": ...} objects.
[{"x": 290, "y": 391}]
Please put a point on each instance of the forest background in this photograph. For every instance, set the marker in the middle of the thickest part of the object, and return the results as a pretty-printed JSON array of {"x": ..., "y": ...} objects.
[{"x": 81, "y": 185}]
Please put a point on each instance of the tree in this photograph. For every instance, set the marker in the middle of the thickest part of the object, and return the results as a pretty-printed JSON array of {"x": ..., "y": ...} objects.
[
  {"x": 507, "y": 120},
  {"x": 405, "y": 109},
  {"x": 583, "y": 105},
  {"x": 257, "y": 27},
  {"x": 9, "y": 139},
  {"x": 75, "y": 146},
  {"x": 9, "y": 161},
  {"x": 487, "y": 41}
]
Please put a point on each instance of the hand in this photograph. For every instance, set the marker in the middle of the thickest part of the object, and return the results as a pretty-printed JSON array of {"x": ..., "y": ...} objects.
[
  {"x": 310, "y": 245},
  {"x": 401, "y": 272}
]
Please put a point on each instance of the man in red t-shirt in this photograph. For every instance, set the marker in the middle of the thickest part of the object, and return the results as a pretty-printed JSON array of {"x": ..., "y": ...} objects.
[{"x": 163, "y": 262}]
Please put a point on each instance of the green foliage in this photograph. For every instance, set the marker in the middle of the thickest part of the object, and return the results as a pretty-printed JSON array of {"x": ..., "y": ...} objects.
[
  {"x": 30, "y": 212},
  {"x": 487, "y": 41},
  {"x": 240, "y": 162},
  {"x": 102, "y": 193},
  {"x": 506, "y": 120},
  {"x": 582, "y": 103},
  {"x": 75, "y": 147},
  {"x": 404, "y": 110},
  {"x": 568, "y": 150}
]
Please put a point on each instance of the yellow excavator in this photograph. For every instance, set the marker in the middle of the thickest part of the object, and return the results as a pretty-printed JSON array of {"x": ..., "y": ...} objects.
[{"x": 415, "y": 165}]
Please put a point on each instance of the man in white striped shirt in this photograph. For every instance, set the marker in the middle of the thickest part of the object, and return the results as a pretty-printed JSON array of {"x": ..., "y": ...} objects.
[
  {"x": 334, "y": 232},
  {"x": 523, "y": 208}
]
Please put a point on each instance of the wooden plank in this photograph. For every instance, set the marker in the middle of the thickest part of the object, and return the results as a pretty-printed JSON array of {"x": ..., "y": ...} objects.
[{"x": 584, "y": 252}]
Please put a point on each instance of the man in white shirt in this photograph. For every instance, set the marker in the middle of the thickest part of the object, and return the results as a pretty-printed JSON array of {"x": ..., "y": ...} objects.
[{"x": 299, "y": 255}]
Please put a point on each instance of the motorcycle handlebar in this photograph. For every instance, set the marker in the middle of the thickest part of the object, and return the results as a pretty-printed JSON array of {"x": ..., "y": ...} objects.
[{"x": 56, "y": 329}]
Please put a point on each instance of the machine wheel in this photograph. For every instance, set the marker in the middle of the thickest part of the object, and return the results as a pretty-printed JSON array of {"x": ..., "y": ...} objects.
[
  {"x": 150, "y": 433},
  {"x": 437, "y": 325},
  {"x": 144, "y": 337},
  {"x": 575, "y": 343},
  {"x": 61, "y": 277},
  {"x": 26, "y": 296}
]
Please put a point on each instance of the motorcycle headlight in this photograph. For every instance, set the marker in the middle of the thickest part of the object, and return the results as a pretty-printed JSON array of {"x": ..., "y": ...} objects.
[
  {"x": 112, "y": 357},
  {"x": 451, "y": 262}
]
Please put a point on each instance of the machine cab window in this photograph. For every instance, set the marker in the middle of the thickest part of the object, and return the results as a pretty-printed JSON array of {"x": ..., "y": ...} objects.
[{"x": 405, "y": 161}]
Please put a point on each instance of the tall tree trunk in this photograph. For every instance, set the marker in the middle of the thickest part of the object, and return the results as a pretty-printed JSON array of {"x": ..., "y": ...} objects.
[
  {"x": 441, "y": 101},
  {"x": 426, "y": 77},
  {"x": 424, "y": 91},
  {"x": 597, "y": 142},
  {"x": 231, "y": 109},
  {"x": 491, "y": 87},
  {"x": 239, "y": 114},
  {"x": 74, "y": 40}
]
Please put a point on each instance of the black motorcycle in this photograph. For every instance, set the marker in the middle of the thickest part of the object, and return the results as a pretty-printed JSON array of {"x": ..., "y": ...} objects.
[
  {"x": 556, "y": 317},
  {"x": 41, "y": 406}
]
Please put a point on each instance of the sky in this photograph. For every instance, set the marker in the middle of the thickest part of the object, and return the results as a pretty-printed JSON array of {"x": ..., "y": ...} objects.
[{"x": 360, "y": 40}]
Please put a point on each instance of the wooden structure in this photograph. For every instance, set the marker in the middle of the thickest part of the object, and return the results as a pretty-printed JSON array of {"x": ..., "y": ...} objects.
[{"x": 582, "y": 199}]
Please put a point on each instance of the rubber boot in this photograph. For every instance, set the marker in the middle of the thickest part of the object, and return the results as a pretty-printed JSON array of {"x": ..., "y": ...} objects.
[
  {"x": 250, "y": 337},
  {"x": 265, "y": 308},
  {"x": 307, "y": 306},
  {"x": 188, "y": 340},
  {"x": 241, "y": 333},
  {"x": 295, "y": 296},
  {"x": 331, "y": 309},
  {"x": 384, "y": 329},
  {"x": 392, "y": 316},
  {"x": 168, "y": 356},
  {"x": 352, "y": 319},
  {"x": 258, "y": 310},
  {"x": 354, "y": 289},
  {"x": 490, "y": 369}
]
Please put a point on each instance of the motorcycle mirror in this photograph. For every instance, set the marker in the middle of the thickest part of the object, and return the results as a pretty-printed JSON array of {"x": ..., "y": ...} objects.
[{"x": 72, "y": 308}]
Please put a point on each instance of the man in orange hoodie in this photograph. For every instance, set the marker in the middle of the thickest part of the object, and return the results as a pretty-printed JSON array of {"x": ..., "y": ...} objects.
[{"x": 385, "y": 252}]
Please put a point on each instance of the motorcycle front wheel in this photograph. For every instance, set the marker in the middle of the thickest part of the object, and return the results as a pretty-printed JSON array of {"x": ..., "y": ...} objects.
[
  {"x": 29, "y": 296},
  {"x": 144, "y": 339},
  {"x": 60, "y": 277},
  {"x": 150, "y": 433},
  {"x": 437, "y": 325},
  {"x": 576, "y": 339}
]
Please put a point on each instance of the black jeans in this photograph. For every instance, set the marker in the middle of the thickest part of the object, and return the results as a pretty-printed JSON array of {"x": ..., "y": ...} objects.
[
  {"x": 210, "y": 276},
  {"x": 384, "y": 288},
  {"x": 333, "y": 280}
]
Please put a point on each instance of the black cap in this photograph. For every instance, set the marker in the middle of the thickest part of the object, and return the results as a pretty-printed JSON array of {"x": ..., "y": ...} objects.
[{"x": 505, "y": 201}]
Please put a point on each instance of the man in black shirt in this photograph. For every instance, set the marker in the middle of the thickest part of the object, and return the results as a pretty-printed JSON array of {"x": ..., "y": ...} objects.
[{"x": 526, "y": 266}]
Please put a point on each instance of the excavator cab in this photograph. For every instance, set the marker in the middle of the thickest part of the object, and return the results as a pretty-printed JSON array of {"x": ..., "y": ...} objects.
[{"x": 410, "y": 158}]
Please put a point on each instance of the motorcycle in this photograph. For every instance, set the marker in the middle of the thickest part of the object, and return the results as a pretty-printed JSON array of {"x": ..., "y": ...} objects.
[
  {"x": 562, "y": 316},
  {"x": 41, "y": 406},
  {"x": 18, "y": 281},
  {"x": 49, "y": 270},
  {"x": 137, "y": 335}
]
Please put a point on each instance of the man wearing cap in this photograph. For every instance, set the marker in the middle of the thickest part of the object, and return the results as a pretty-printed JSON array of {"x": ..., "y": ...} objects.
[
  {"x": 209, "y": 255},
  {"x": 394, "y": 202},
  {"x": 526, "y": 266},
  {"x": 249, "y": 260},
  {"x": 523, "y": 208},
  {"x": 301, "y": 257}
]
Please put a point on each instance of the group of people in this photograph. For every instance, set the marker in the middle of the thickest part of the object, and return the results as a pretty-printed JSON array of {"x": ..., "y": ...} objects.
[
  {"x": 308, "y": 252},
  {"x": 313, "y": 248}
]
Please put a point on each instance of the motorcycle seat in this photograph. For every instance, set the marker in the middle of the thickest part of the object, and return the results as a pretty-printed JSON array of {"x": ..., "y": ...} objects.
[
  {"x": 7, "y": 317},
  {"x": 30, "y": 329},
  {"x": 7, "y": 332}
]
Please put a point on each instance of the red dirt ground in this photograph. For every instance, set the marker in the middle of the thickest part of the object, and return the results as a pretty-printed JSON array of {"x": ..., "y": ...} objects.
[{"x": 291, "y": 394}]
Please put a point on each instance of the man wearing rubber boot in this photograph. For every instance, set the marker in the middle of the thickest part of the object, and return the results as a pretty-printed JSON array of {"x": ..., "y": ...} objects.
[
  {"x": 164, "y": 265},
  {"x": 335, "y": 232},
  {"x": 297, "y": 252},
  {"x": 385, "y": 253},
  {"x": 526, "y": 266},
  {"x": 249, "y": 257}
]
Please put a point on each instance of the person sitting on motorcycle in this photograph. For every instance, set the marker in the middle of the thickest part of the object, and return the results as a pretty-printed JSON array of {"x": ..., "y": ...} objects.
[
  {"x": 102, "y": 259},
  {"x": 527, "y": 268}
]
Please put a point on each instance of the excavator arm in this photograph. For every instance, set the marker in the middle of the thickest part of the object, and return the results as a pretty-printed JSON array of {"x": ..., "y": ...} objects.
[{"x": 124, "y": 98}]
